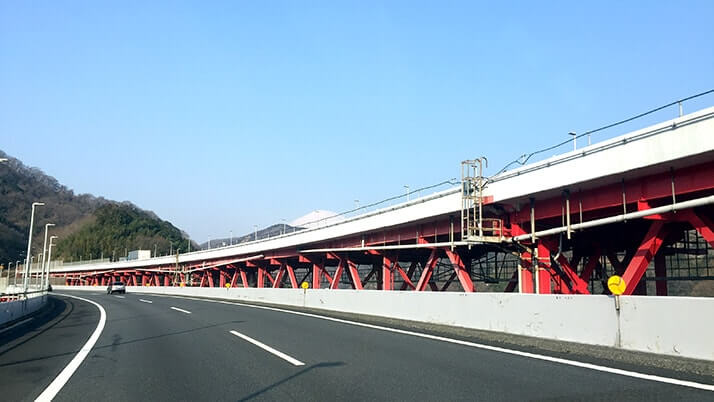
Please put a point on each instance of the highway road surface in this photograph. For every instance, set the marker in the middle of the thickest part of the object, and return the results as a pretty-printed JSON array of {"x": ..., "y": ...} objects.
[{"x": 146, "y": 347}]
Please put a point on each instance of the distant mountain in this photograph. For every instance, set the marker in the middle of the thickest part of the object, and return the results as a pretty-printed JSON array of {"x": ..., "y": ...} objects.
[
  {"x": 316, "y": 218},
  {"x": 270, "y": 231},
  {"x": 77, "y": 218}
]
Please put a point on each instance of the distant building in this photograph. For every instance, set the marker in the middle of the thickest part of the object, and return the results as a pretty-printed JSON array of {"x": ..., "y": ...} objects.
[{"x": 139, "y": 255}]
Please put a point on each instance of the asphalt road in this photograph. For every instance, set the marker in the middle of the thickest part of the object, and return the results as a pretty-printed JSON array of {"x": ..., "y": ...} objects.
[{"x": 166, "y": 348}]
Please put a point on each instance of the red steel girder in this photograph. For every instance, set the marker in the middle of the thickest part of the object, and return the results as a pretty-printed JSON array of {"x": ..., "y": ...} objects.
[
  {"x": 354, "y": 275},
  {"x": 338, "y": 274},
  {"x": 407, "y": 277},
  {"x": 645, "y": 253},
  {"x": 388, "y": 262},
  {"x": 427, "y": 271},
  {"x": 460, "y": 270},
  {"x": 686, "y": 180}
]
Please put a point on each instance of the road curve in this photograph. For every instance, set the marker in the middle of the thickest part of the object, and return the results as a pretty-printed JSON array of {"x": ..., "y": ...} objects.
[{"x": 166, "y": 348}]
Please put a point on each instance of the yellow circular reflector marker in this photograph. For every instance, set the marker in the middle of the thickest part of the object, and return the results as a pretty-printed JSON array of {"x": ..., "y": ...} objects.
[
  {"x": 616, "y": 285},
  {"x": 228, "y": 285},
  {"x": 304, "y": 285}
]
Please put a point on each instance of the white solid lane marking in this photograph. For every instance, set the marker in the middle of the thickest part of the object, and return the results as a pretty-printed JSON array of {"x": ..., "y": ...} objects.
[
  {"x": 293, "y": 361},
  {"x": 145, "y": 301},
  {"x": 121, "y": 297},
  {"x": 181, "y": 310},
  {"x": 51, "y": 391},
  {"x": 16, "y": 324},
  {"x": 612, "y": 370}
]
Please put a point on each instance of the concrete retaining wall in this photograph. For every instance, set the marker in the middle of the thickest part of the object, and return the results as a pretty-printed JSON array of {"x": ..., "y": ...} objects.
[
  {"x": 15, "y": 310},
  {"x": 672, "y": 325}
]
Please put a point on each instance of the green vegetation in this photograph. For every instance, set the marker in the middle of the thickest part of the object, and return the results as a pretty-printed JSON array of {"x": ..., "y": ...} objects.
[
  {"x": 116, "y": 229},
  {"x": 88, "y": 227}
]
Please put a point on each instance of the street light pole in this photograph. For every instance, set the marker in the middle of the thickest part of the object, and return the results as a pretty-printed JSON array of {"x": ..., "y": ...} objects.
[
  {"x": 49, "y": 258},
  {"x": 255, "y": 228},
  {"x": 44, "y": 249},
  {"x": 231, "y": 237},
  {"x": 407, "y": 187},
  {"x": 575, "y": 139},
  {"x": 29, "y": 245}
]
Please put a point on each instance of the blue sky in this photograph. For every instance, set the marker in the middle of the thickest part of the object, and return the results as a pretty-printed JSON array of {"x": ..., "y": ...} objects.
[{"x": 221, "y": 115}]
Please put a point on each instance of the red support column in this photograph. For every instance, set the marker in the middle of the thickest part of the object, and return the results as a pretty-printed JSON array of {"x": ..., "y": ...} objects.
[
  {"x": 387, "y": 273},
  {"x": 338, "y": 274},
  {"x": 234, "y": 279},
  {"x": 577, "y": 284},
  {"x": 316, "y": 277},
  {"x": 209, "y": 276},
  {"x": 354, "y": 275},
  {"x": 167, "y": 281},
  {"x": 645, "y": 253},
  {"x": 702, "y": 224},
  {"x": 427, "y": 271},
  {"x": 221, "y": 279},
  {"x": 407, "y": 277},
  {"x": 243, "y": 277},
  {"x": 261, "y": 277},
  {"x": 590, "y": 266},
  {"x": 279, "y": 276},
  {"x": 543, "y": 270},
  {"x": 526, "y": 264},
  {"x": 408, "y": 282},
  {"x": 291, "y": 276},
  {"x": 460, "y": 270},
  {"x": 203, "y": 280}
]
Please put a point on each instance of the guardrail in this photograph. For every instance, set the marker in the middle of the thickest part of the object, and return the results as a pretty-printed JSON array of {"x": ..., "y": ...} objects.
[
  {"x": 11, "y": 296},
  {"x": 18, "y": 305}
]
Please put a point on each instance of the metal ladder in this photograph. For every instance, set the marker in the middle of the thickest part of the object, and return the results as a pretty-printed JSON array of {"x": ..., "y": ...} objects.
[{"x": 472, "y": 186}]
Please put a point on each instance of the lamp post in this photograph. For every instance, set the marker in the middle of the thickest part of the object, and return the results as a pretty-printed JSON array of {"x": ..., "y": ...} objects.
[
  {"x": 575, "y": 139},
  {"x": 44, "y": 249},
  {"x": 231, "y": 237},
  {"x": 25, "y": 276},
  {"x": 49, "y": 258},
  {"x": 283, "y": 225},
  {"x": 255, "y": 229},
  {"x": 407, "y": 187},
  {"x": 9, "y": 265}
]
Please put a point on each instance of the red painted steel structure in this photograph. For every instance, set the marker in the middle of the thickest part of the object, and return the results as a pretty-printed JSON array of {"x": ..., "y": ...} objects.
[{"x": 562, "y": 263}]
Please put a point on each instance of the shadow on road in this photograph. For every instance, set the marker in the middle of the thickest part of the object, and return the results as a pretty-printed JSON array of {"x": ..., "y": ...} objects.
[
  {"x": 288, "y": 378},
  {"x": 115, "y": 343},
  {"x": 55, "y": 308}
]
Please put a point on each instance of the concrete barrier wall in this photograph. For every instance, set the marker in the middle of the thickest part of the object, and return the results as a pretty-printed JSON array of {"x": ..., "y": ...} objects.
[
  {"x": 672, "y": 325},
  {"x": 680, "y": 326},
  {"x": 15, "y": 310}
]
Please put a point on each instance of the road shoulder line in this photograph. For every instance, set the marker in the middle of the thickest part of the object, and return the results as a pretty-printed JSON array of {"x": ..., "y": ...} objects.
[{"x": 51, "y": 391}]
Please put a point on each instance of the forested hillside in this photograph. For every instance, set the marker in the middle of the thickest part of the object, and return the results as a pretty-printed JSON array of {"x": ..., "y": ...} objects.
[{"x": 80, "y": 219}]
